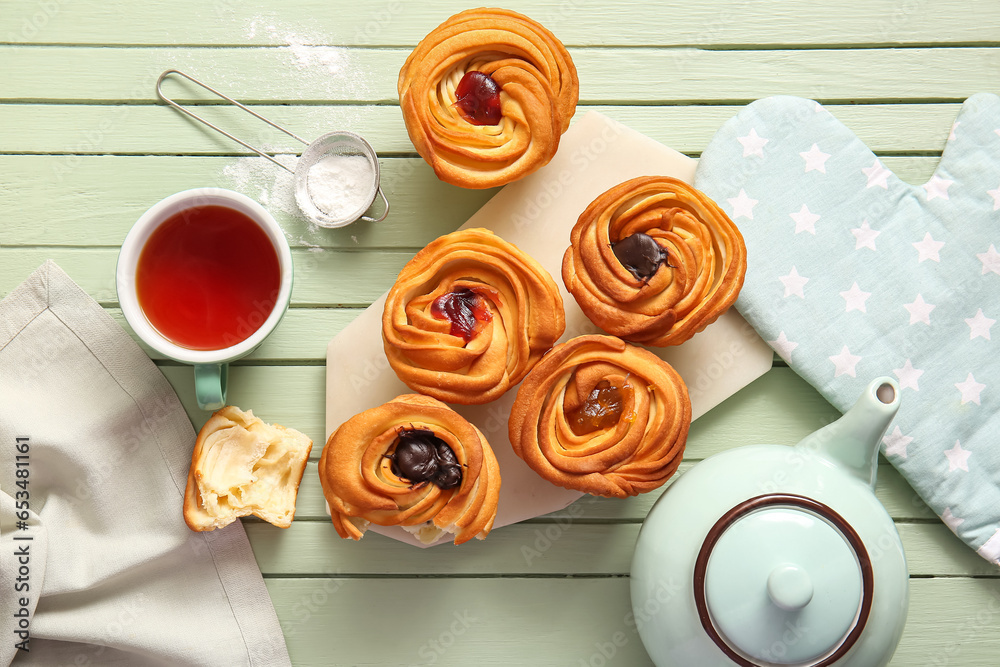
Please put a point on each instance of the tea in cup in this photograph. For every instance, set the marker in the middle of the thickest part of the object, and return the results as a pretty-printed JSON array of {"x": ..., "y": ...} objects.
[{"x": 203, "y": 277}]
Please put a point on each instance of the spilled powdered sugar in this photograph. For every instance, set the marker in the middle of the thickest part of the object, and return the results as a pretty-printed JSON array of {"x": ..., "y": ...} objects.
[
  {"x": 272, "y": 186},
  {"x": 326, "y": 72}
]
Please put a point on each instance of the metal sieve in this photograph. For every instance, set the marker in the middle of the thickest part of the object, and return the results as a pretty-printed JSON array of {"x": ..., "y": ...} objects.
[
  {"x": 336, "y": 144},
  {"x": 331, "y": 144}
]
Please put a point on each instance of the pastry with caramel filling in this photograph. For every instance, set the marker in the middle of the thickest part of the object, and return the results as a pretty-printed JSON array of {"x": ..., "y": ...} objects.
[
  {"x": 654, "y": 261},
  {"x": 601, "y": 416},
  {"x": 486, "y": 96},
  {"x": 412, "y": 462},
  {"x": 242, "y": 466},
  {"x": 469, "y": 316}
]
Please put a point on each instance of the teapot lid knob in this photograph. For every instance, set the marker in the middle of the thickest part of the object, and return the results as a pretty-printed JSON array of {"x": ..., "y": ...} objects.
[
  {"x": 783, "y": 580},
  {"x": 789, "y": 587}
]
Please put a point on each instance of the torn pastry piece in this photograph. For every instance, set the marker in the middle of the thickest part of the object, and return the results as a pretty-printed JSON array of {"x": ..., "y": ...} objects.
[
  {"x": 412, "y": 462},
  {"x": 241, "y": 466},
  {"x": 601, "y": 416},
  {"x": 469, "y": 316},
  {"x": 654, "y": 261},
  {"x": 486, "y": 96}
]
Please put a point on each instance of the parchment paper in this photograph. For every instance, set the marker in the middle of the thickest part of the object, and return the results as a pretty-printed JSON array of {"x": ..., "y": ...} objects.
[{"x": 536, "y": 214}]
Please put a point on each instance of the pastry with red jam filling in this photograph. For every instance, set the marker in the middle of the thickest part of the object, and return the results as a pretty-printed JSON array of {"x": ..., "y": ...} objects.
[
  {"x": 469, "y": 316},
  {"x": 486, "y": 96}
]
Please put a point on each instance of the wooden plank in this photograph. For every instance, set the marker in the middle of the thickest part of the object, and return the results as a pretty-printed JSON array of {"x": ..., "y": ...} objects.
[
  {"x": 913, "y": 170},
  {"x": 576, "y": 22},
  {"x": 784, "y": 409},
  {"x": 894, "y": 492},
  {"x": 932, "y": 549},
  {"x": 323, "y": 278},
  {"x": 778, "y": 408},
  {"x": 313, "y": 547},
  {"x": 96, "y": 202},
  {"x": 97, "y": 130},
  {"x": 293, "y": 396},
  {"x": 302, "y": 335},
  {"x": 898, "y": 497},
  {"x": 98, "y": 152},
  {"x": 499, "y": 622},
  {"x": 563, "y": 621},
  {"x": 422, "y": 207},
  {"x": 608, "y": 76},
  {"x": 951, "y": 622},
  {"x": 570, "y": 547}
]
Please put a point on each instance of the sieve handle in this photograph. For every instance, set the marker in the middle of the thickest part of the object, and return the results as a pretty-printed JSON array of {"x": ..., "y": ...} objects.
[
  {"x": 185, "y": 110},
  {"x": 384, "y": 213}
]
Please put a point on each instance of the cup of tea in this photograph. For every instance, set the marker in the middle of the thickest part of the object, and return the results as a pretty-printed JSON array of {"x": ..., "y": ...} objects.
[{"x": 203, "y": 277}]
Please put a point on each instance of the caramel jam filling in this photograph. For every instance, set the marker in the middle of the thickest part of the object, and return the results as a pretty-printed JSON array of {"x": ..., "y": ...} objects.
[{"x": 601, "y": 409}]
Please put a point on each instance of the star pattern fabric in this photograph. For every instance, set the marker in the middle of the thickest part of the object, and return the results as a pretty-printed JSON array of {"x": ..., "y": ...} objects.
[
  {"x": 752, "y": 144},
  {"x": 865, "y": 236},
  {"x": 815, "y": 159},
  {"x": 905, "y": 280},
  {"x": 805, "y": 220},
  {"x": 920, "y": 310}
]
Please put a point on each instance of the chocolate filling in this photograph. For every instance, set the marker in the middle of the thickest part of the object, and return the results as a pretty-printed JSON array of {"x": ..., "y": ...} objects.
[
  {"x": 420, "y": 456},
  {"x": 640, "y": 254}
]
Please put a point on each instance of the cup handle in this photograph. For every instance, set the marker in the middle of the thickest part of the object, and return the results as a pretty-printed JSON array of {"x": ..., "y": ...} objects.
[{"x": 210, "y": 385}]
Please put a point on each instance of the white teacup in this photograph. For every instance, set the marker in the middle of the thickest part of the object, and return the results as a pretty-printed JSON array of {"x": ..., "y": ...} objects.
[{"x": 210, "y": 366}]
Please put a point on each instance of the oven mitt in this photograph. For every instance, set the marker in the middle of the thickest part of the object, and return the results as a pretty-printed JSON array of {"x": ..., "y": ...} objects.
[
  {"x": 97, "y": 566},
  {"x": 854, "y": 274}
]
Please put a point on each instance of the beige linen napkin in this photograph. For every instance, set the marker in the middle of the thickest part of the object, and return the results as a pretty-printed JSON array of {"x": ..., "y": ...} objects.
[{"x": 103, "y": 570}]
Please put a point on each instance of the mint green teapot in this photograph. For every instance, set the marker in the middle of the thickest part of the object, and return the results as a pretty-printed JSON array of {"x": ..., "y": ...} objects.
[{"x": 771, "y": 555}]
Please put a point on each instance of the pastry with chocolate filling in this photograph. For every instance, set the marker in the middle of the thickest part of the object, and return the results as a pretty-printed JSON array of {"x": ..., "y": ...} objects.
[
  {"x": 241, "y": 466},
  {"x": 654, "y": 261},
  {"x": 412, "y": 462},
  {"x": 486, "y": 96},
  {"x": 601, "y": 416},
  {"x": 469, "y": 316}
]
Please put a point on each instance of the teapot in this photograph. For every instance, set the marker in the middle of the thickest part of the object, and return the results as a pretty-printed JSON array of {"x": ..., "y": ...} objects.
[{"x": 769, "y": 555}]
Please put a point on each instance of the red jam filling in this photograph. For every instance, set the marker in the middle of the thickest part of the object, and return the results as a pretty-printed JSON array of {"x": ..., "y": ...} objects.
[
  {"x": 478, "y": 99},
  {"x": 465, "y": 309},
  {"x": 602, "y": 409}
]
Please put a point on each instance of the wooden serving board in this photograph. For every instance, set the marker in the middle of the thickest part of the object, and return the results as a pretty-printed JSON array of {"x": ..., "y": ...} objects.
[{"x": 536, "y": 214}]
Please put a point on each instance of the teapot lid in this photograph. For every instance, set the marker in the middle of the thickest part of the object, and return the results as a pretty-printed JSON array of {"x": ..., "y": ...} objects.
[{"x": 782, "y": 579}]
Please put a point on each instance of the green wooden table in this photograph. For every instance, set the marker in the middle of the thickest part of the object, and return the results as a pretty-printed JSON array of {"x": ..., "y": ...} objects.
[{"x": 84, "y": 149}]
